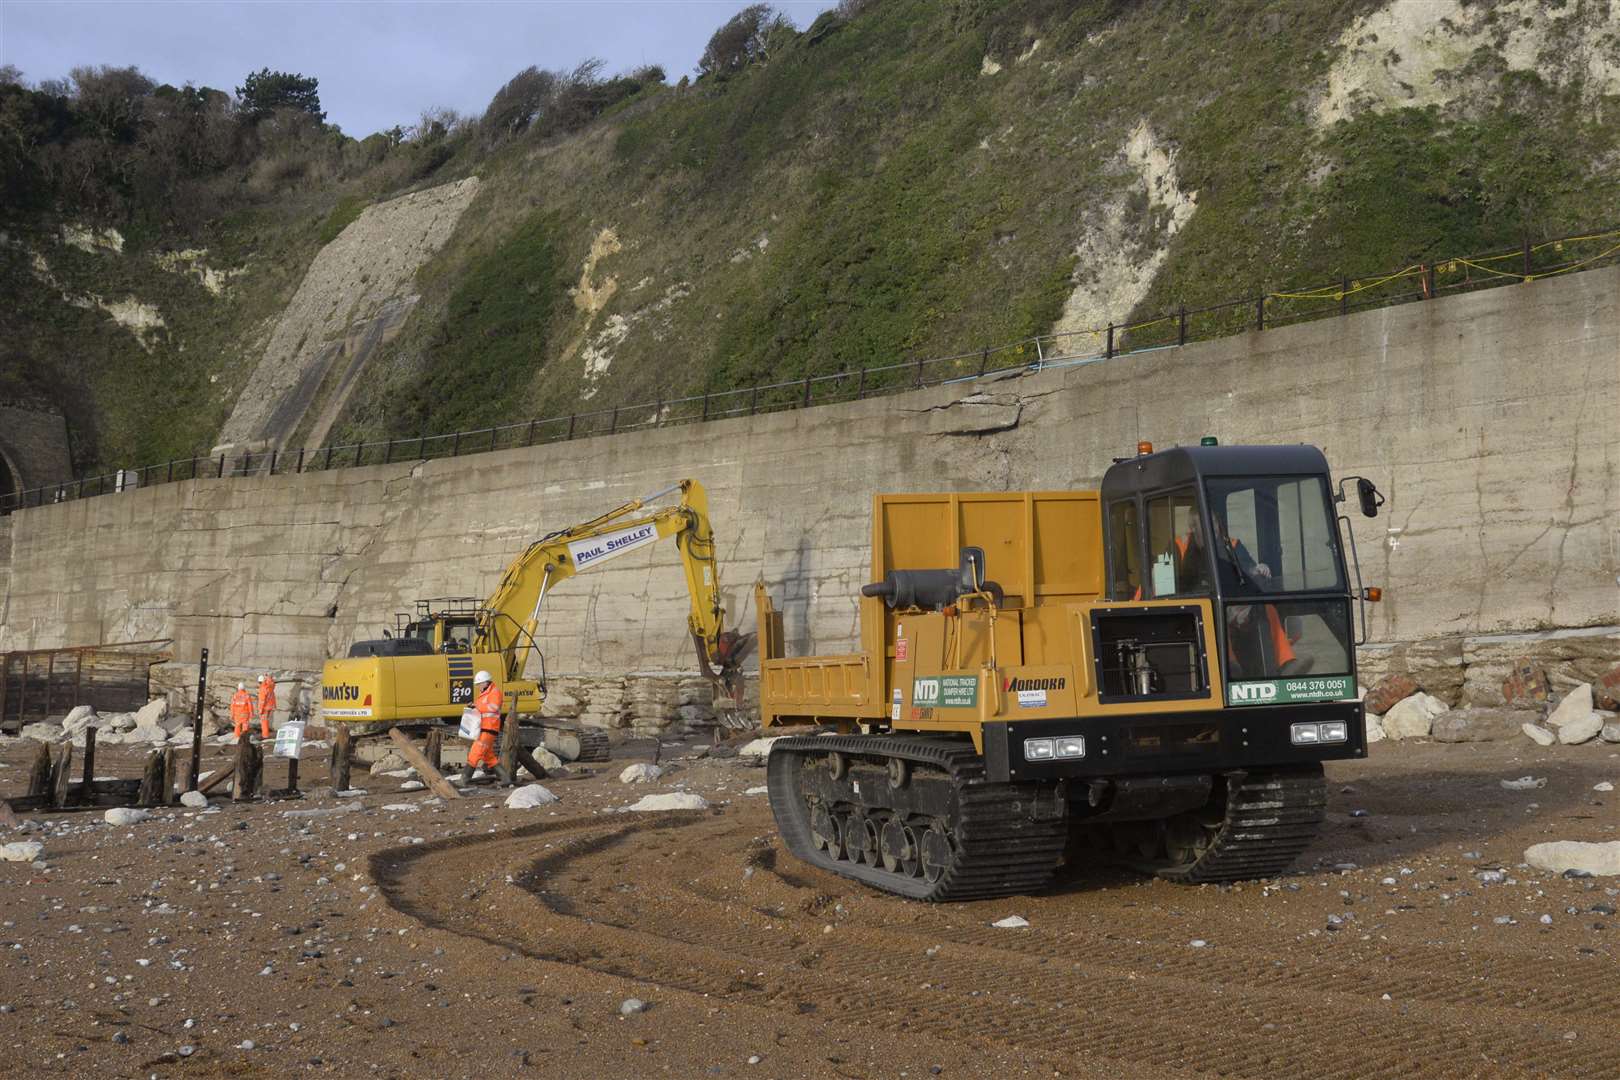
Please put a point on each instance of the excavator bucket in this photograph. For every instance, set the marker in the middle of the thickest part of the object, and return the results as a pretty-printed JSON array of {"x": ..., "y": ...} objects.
[{"x": 729, "y": 690}]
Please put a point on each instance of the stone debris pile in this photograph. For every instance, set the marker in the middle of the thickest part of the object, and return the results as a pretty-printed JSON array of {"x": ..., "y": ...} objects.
[{"x": 1401, "y": 706}]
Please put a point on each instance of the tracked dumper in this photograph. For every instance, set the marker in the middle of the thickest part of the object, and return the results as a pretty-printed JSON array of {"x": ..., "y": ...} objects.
[{"x": 1154, "y": 673}]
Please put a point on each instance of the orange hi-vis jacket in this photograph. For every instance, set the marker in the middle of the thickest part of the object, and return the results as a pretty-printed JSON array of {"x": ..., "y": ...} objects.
[
  {"x": 267, "y": 697},
  {"x": 489, "y": 710},
  {"x": 242, "y": 708}
]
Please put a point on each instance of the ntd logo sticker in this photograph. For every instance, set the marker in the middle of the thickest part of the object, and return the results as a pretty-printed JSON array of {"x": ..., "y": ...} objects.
[{"x": 1252, "y": 693}]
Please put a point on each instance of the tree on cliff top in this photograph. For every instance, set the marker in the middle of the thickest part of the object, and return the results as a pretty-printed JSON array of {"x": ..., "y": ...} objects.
[
  {"x": 264, "y": 91},
  {"x": 746, "y": 38}
]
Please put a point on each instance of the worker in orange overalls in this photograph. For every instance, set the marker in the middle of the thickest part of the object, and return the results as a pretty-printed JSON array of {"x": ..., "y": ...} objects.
[
  {"x": 267, "y": 703},
  {"x": 241, "y": 710},
  {"x": 487, "y": 700}
]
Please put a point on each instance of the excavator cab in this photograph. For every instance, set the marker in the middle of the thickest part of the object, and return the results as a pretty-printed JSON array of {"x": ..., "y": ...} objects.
[{"x": 1254, "y": 530}]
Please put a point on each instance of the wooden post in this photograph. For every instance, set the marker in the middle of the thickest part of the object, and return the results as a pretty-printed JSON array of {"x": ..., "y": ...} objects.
[
  {"x": 526, "y": 759},
  {"x": 39, "y": 774},
  {"x": 87, "y": 790},
  {"x": 434, "y": 751},
  {"x": 342, "y": 751},
  {"x": 168, "y": 776},
  {"x": 292, "y": 776},
  {"x": 151, "y": 790},
  {"x": 197, "y": 718},
  {"x": 509, "y": 745},
  {"x": 59, "y": 775},
  {"x": 249, "y": 766},
  {"x": 443, "y": 788}
]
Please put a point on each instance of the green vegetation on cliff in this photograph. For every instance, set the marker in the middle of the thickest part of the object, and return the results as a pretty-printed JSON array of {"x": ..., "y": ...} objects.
[{"x": 902, "y": 178}]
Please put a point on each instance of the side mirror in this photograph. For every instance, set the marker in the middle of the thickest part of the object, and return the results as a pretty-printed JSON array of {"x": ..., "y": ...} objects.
[
  {"x": 972, "y": 569},
  {"x": 1371, "y": 500}
]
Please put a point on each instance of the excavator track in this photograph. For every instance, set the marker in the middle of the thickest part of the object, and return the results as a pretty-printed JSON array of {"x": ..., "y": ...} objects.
[
  {"x": 914, "y": 816},
  {"x": 1259, "y": 827},
  {"x": 576, "y": 742}
]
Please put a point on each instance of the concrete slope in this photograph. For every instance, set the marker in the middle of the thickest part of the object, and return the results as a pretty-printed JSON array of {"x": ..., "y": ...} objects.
[{"x": 354, "y": 299}]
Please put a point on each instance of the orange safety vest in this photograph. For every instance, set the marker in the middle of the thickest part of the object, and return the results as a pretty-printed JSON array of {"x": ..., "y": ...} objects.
[
  {"x": 489, "y": 710},
  {"x": 267, "y": 696},
  {"x": 241, "y": 707}
]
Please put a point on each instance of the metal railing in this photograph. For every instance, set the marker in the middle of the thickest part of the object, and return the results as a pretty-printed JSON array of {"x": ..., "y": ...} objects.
[{"x": 1262, "y": 311}]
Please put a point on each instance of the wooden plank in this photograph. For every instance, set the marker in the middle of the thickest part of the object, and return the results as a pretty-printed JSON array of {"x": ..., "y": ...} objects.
[
  {"x": 60, "y": 778},
  {"x": 215, "y": 779},
  {"x": 39, "y": 774},
  {"x": 507, "y": 766},
  {"x": 443, "y": 788},
  {"x": 87, "y": 788},
  {"x": 526, "y": 759}
]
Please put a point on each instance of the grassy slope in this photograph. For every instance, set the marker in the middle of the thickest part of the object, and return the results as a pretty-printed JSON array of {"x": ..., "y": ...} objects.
[{"x": 908, "y": 205}]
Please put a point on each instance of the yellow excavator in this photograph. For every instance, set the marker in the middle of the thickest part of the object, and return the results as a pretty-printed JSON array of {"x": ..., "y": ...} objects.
[{"x": 425, "y": 671}]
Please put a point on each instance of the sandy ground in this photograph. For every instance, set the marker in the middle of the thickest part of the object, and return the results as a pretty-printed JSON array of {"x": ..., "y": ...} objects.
[{"x": 464, "y": 939}]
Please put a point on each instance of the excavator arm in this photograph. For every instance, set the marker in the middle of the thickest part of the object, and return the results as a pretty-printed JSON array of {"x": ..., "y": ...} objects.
[{"x": 512, "y": 614}]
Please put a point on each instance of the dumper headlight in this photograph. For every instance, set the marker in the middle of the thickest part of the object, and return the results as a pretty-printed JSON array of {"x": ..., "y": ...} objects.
[
  {"x": 1073, "y": 746},
  {"x": 1333, "y": 732},
  {"x": 1304, "y": 734},
  {"x": 1038, "y": 749}
]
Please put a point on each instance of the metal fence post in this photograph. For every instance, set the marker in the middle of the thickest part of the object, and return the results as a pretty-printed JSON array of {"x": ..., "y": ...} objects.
[
  {"x": 247, "y": 463},
  {"x": 359, "y": 453},
  {"x": 273, "y": 455},
  {"x": 614, "y": 429},
  {"x": 328, "y": 463},
  {"x": 571, "y": 418},
  {"x": 1527, "y": 257},
  {"x": 221, "y": 472},
  {"x": 807, "y": 391},
  {"x": 984, "y": 361},
  {"x": 1108, "y": 348},
  {"x": 300, "y": 460},
  {"x": 860, "y": 385},
  {"x": 753, "y": 400},
  {"x": 705, "y": 406},
  {"x": 1344, "y": 296},
  {"x": 455, "y": 445},
  {"x": 1260, "y": 313},
  {"x": 388, "y": 454},
  {"x": 494, "y": 434},
  {"x": 1181, "y": 325},
  {"x": 658, "y": 413},
  {"x": 529, "y": 439},
  {"x": 919, "y": 380}
]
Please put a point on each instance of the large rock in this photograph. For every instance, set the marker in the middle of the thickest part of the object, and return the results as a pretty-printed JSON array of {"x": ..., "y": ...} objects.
[
  {"x": 1580, "y": 729},
  {"x": 21, "y": 851},
  {"x": 1569, "y": 657},
  {"x": 641, "y": 772},
  {"x": 757, "y": 751},
  {"x": 125, "y": 815},
  {"x": 45, "y": 731},
  {"x": 1577, "y": 705},
  {"x": 1375, "y": 729},
  {"x": 1390, "y": 691},
  {"x": 1610, "y": 732},
  {"x": 389, "y": 762},
  {"x": 76, "y": 721},
  {"x": 1480, "y": 725},
  {"x": 1526, "y": 685},
  {"x": 1563, "y": 855},
  {"x": 676, "y": 800},
  {"x": 1413, "y": 718},
  {"x": 528, "y": 797}
]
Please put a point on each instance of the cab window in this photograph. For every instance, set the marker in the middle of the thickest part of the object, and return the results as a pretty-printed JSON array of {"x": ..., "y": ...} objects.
[
  {"x": 1125, "y": 578},
  {"x": 1179, "y": 563}
]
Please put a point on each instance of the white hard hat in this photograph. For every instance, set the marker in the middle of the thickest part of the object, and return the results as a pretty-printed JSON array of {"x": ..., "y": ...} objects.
[
  {"x": 265, "y": 677},
  {"x": 241, "y": 686},
  {"x": 482, "y": 676}
]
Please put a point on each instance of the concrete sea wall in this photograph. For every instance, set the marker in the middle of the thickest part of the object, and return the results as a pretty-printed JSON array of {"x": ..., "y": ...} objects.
[{"x": 1486, "y": 419}]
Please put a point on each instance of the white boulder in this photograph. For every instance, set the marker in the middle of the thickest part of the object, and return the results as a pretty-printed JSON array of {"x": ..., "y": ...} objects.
[
  {"x": 21, "y": 851},
  {"x": 675, "y": 800},
  {"x": 1011, "y": 922},
  {"x": 759, "y": 749},
  {"x": 1375, "y": 728},
  {"x": 530, "y": 796},
  {"x": 1562, "y": 855},
  {"x": 641, "y": 772},
  {"x": 1413, "y": 717},
  {"x": 125, "y": 815},
  {"x": 547, "y": 760},
  {"x": 194, "y": 799},
  {"x": 1577, "y": 705},
  {"x": 119, "y": 722},
  {"x": 1610, "y": 732},
  {"x": 1539, "y": 734},
  {"x": 1579, "y": 729},
  {"x": 1525, "y": 783},
  {"x": 43, "y": 732},
  {"x": 76, "y": 721}
]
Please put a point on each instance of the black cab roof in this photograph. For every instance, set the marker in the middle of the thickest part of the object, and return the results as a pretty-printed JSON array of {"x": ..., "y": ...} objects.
[{"x": 1183, "y": 465}]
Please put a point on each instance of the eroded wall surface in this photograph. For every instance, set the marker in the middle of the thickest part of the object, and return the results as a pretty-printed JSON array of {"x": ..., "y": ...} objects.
[{"x": 1487, "y": 420}]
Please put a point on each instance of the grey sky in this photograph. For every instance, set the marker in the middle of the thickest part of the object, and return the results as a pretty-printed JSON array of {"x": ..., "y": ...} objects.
[{"x": 380, "y": 62}]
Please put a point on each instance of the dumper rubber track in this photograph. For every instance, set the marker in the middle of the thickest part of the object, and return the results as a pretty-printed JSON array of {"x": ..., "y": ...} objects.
[
  {"x": 1256, "y": 828},
  {"x": 913, "y": 815}
]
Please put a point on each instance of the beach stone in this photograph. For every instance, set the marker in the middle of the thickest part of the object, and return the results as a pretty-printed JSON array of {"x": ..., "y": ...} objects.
[
  {"x": 125, "y": 815},
  {"x": 21, "y": 851},
  {"x": 194, "y": 799},
  {"x": 1539, "y": 734},
  {"x": 1610, "y": 732},
  {"x": 640, "y": 773},
  {"x": 1375, "y": 729},
  {"x": 760, "y": 749}
]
